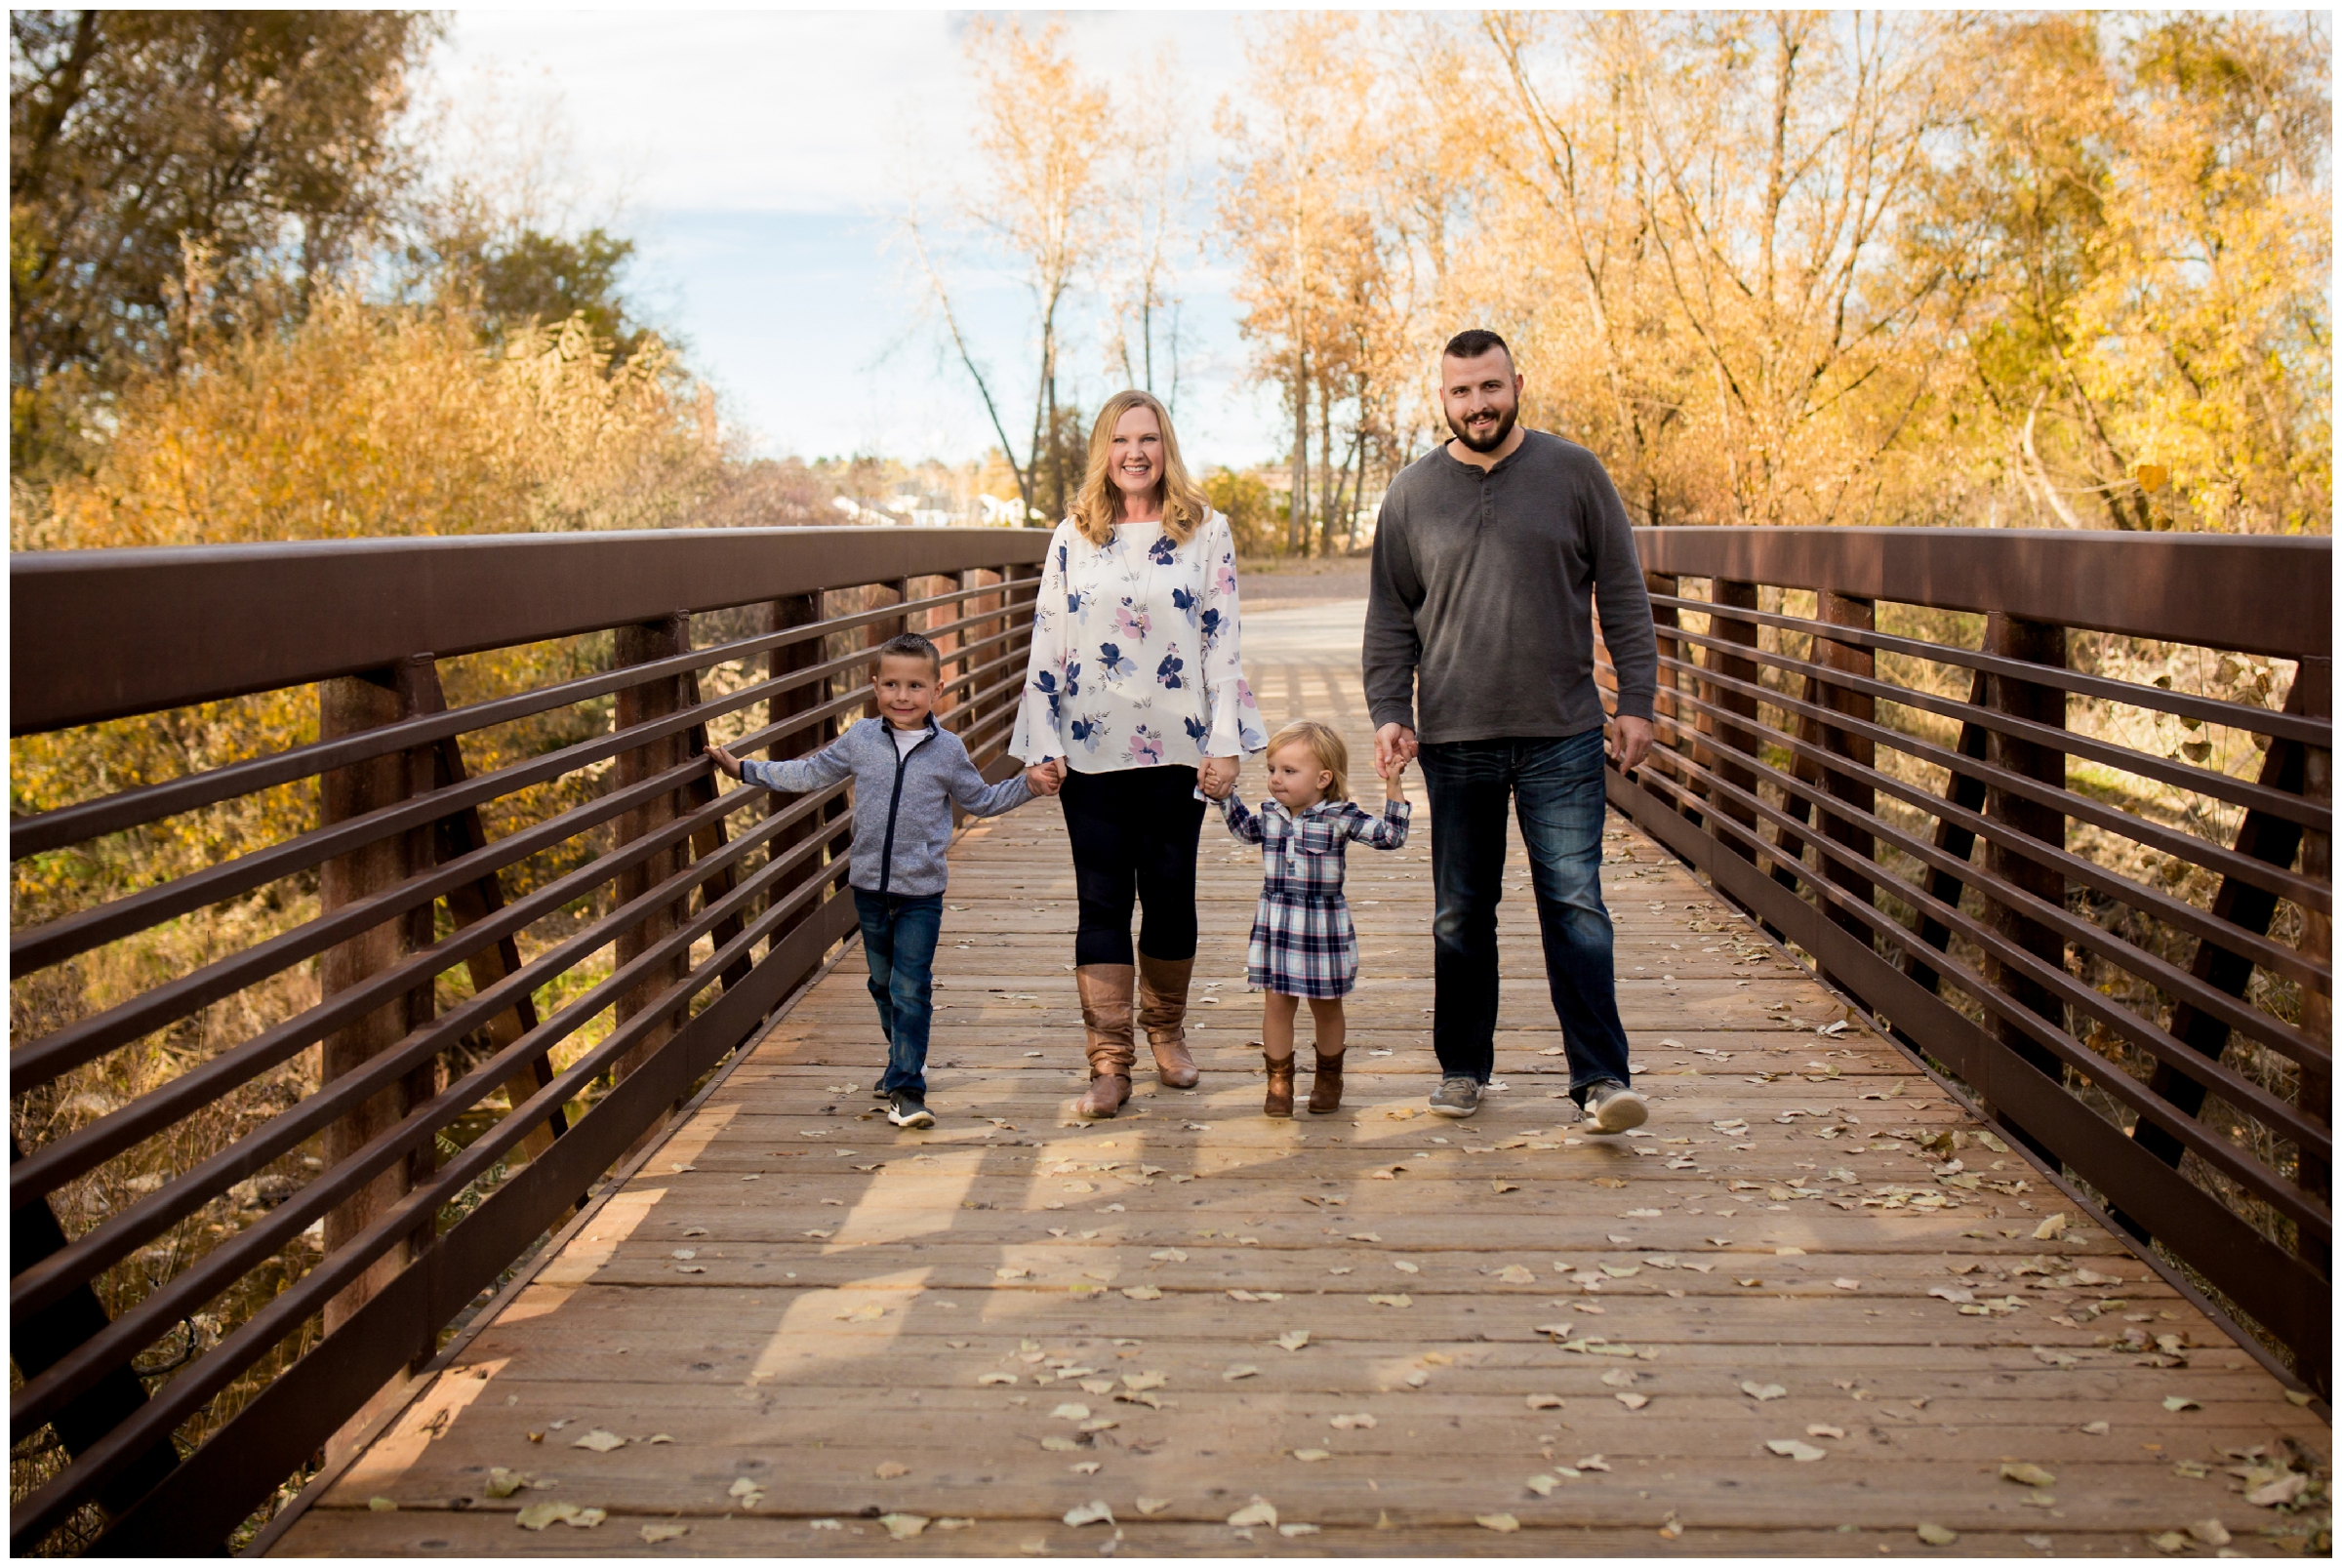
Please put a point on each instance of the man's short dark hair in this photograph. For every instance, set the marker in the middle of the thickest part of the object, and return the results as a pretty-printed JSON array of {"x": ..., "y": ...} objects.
[
  {"x": 1473, "y": 341},
  {"x": 910, "y": 645}
]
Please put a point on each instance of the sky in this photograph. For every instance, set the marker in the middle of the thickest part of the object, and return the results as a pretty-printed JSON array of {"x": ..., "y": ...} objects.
[{"x": 760, "y": 161}]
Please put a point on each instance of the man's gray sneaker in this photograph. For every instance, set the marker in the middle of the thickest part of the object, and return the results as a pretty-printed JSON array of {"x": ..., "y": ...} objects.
[
  {"x": 1613, "y": 1108},
  {"x": 906, "y": 1109},
  {"x": 1456, "y": 1095}
]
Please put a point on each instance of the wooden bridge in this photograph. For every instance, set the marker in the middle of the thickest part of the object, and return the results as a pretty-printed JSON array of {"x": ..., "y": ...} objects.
[{"x": 1835, "y": 1299}]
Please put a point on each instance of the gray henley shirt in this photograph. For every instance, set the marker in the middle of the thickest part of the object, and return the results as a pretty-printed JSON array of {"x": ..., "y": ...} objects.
[{"x": 1479, "y": 618}]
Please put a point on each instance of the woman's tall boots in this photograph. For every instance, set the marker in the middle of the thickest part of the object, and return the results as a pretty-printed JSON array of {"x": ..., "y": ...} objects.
[
  {"x": 1106, "y": 1014},
  {"x": 1162, "y": 1014}
]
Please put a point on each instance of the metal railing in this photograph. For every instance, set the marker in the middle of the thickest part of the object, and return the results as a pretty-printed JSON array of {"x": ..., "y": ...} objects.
[
  {"x": 1965, "y": 771},
  {"x": 430, "y": 1008}
]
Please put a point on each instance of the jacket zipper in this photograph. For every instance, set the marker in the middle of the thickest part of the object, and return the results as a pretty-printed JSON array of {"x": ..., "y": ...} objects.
[{"x": 886, "y": 859}]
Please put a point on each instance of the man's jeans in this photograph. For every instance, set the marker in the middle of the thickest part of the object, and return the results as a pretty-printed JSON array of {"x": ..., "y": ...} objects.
[
  {"x": 1559, "y": 788},
  {"x": 898, "y": 937}
]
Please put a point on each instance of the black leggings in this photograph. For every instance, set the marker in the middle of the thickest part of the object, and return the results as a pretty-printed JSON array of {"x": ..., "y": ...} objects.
[{"x": 1134, "y": 836}]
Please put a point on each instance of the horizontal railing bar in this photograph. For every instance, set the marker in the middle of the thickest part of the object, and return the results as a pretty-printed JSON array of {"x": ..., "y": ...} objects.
[
  {"x": 37, "y": 1401},
  {"x": 66, "y": 826},
  {"x": 2071, "y": 742},
  {"x": 98, "y": 1249},
  {"x": 2212, "y": 1150},
  {"x": 2318, "y": 732},
  {"x": 2042, "y": 853},
  {"x": 2266, "y": 595},
  {"x": 2212, "y": 857},
  {"x": 75, "y": 934},
  {"x": 2171, "y": 979},
  {"x": 53, "y": 1163},
  {"x": 309, "y": 610}
]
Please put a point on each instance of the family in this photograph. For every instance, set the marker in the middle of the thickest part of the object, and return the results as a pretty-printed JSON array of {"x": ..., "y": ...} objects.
[{"x": 1490, "y": 554}]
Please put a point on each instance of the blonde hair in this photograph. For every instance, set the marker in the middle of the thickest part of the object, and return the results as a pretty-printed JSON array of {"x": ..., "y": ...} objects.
[
  {"x": 1324, "y": 744},
  {"x": 1098, "y": 505}
]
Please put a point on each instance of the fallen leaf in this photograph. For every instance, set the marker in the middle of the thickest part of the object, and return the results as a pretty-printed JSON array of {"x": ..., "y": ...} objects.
[
  {"x": 1087, "y": 1468},
  {"x": 2284, "y": 1489},
  {"x": 1514, "y": 1274},
  {"x": 1762, "y": 1392},
  {"x": 1289, "y": 1531},
  {"x": 1256, "y": 1511},
  {"x": 1847, "y": 1284},
  {"x": 600, "y": 1441},
  {"x": 1791, "y": 1448},
  {"x": 1143, "y": 1292},
  {"x": 381, "y": 1505},
  {"x": 2027, "y": 1475},
  {"x": 2168, "y": 1540},
  {"x": 1632, "y": 1401},
  {"x": 1060, "y": 1445},
  {"x": 1364, "y": 1235},
  {"x": 1359, "y": 1422},
  {"x": 1407, "y": 1267},
  {"x": 538, "y": 1515},
  {"x": 659, "y": 1437},
  {"x": 1935, "y": 1534},
  {"x": 2175, "y": 1403},
  {"x": 1817, "y": 1430},
  {"x": 653, "y": 1534},
  {"x": 1310, "y": 1455},
  {"x": 1234, "y": 1373},
  {"x": 1169, "y": 1255},
  {"x": 1154, "y": 1505},
  {"x": 1503, "y": 1187},
  {"x": 1071, "y": 1412},
  {"x": 868, "y": 1313},
  {"x": 997, "y": 1377},
  {"x": 1542, "y": 1485},
  {"x": 903, "y": 1526},
  {"x": 1501, "y": 1523},
  {"x": 1619, "y": 1377},
  {"x": 747, "y": 1487},
  {"x": 2097, "y": 1429},
  {"x": 1011, "y": 1273},
  {"x": 1392, "y": 1301},
  {"x": 1293, "y": 1339},
  {"x": 2212, "y": 1532},
  {"x": 888, "y": 1469},
  {"x": 2050, "y": 1229},
  {"x": 1545, "y": 1401},
  {"x": 503, "y": 1483},
  {"x": 1140, "y": 1381}
]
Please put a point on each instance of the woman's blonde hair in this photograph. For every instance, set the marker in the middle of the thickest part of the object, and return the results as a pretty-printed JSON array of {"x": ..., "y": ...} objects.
[
  {"x": 1324, "y": 744},
  {"x": 1098, "y": 507}
]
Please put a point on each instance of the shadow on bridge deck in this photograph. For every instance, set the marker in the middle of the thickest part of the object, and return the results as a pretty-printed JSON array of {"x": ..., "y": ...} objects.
[{"x": 818, "y": 1335}]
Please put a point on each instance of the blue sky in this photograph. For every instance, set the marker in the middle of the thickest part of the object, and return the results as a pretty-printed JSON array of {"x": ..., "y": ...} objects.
[{"x": 760, "y": 160}]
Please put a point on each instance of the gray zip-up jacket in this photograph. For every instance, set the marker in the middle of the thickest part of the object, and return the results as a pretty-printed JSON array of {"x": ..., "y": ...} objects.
[{"x": 902, "y": 800}]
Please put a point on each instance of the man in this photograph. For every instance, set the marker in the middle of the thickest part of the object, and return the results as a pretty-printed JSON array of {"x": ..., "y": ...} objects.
[{"x": 1479, "y": 664}]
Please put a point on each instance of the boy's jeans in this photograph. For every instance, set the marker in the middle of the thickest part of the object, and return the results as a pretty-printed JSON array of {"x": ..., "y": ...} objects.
[
  {"x": 1556, "y": 787},
  {"x": 898, "y": 937}
]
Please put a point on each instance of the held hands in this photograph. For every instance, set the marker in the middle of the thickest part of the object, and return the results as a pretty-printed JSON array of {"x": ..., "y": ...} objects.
[
  {"x": 1046, "y": 777},
  {"x": 1628, "y": 741},
  {"x": 1217, "y": 776},
  {"x": 724, "y": 760},
  {"x": 1392, "y": 742},
  {"x": 1395, "y": 781}
]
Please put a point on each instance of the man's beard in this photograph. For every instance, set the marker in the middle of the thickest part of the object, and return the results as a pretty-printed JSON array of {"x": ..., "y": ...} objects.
[{"x": 1504, "y": 427}]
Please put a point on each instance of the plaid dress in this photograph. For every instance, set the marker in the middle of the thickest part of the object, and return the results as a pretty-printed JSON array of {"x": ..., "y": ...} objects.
[{"x": 1303, "y": 944}]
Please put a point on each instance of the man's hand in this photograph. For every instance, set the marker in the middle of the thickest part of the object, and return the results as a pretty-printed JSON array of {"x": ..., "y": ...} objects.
[
  {"x": 1628, "y": 741},
  {"x": 1217, "y": 776},
  {"x": 724, "y": 760},
  {"x": 1046, "y": 777},
  {"x": 1393, "y": 743}
]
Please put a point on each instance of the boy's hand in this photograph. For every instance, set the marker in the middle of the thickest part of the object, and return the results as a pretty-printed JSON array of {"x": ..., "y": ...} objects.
[{"x": 724, "y": 760}]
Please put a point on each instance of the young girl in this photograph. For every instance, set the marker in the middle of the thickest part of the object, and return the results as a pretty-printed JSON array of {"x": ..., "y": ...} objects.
[{"x": 1303, "y": 944}]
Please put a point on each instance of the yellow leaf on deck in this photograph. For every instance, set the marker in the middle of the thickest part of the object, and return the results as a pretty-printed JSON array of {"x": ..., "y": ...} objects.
[
  {"x": 888, "y": 1469},
  {"x": 1501, "y": 1523}
]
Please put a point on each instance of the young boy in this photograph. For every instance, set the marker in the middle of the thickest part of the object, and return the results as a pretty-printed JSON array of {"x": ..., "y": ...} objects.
[{"x": 908, "y": 772}]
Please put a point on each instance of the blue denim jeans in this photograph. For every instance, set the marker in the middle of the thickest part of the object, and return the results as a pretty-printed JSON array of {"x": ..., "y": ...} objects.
[
  {"x": 1557, "y": 788},
  {"x": 898, "y": 939}
]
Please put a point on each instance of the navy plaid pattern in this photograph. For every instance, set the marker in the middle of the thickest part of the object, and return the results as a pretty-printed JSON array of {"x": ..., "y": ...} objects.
[{"x": 1303, "y": 944}]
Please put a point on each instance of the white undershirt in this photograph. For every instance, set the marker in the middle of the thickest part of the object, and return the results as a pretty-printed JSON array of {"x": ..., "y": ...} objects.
[{"x": 905, "y": 740}]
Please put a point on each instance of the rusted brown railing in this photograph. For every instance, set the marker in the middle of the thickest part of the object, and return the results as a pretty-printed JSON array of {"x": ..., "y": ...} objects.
[
  {"x": 1979, "y": 776},
  {"x": 442, "y": 1097}
]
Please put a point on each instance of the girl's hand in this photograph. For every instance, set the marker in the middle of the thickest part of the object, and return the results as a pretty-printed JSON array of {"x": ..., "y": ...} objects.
[
  {"x": 1395, "y": 780},
  {"x": 1217, "y": 776},
  {"x": 725, "y": 760}
]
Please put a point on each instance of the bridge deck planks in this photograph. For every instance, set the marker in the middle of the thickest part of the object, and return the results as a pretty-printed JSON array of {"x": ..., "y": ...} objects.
[{"x": 759, "y": 1366}]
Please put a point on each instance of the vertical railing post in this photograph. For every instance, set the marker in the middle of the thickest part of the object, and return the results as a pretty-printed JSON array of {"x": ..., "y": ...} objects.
[
  {"x": 797, "y": 610},
  {"x": 2316, "y": 1094},
  {"x": 347, "y": 705},
  {"x": 1666, "y": 716},
  {"x": 644, "y": 644},
  {"x": 1846, "y": 610},
  {"x": 2037, "y": 643},
  {"x": 1727, "y": 594}
]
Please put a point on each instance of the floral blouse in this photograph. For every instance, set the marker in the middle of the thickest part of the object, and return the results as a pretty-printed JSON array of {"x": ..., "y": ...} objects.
[{"x": 1135, "y": 653}]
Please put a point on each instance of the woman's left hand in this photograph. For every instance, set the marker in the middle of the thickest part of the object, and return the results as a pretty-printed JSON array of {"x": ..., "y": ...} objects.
[{"x": 1217, "y": 776}]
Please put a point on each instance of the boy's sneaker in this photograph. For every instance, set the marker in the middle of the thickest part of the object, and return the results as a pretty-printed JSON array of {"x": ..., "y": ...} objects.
[
  {"x": 1456, "y": 1095},
  {"x": 1613, "y": 1108},
  {"x": 907, "y": 1109}
]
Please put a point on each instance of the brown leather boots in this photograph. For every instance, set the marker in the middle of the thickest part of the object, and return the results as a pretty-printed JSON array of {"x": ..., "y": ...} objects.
[
  {"x": 1162, "y": 1013},
  {"x": 1106, "y": 1014},
  {"x": 1325, "y": 1089},
  {"x": 1162, "y": 985}
]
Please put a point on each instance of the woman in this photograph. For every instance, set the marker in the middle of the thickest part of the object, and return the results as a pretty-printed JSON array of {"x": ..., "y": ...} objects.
[{"x": 1135, "y": 689}]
